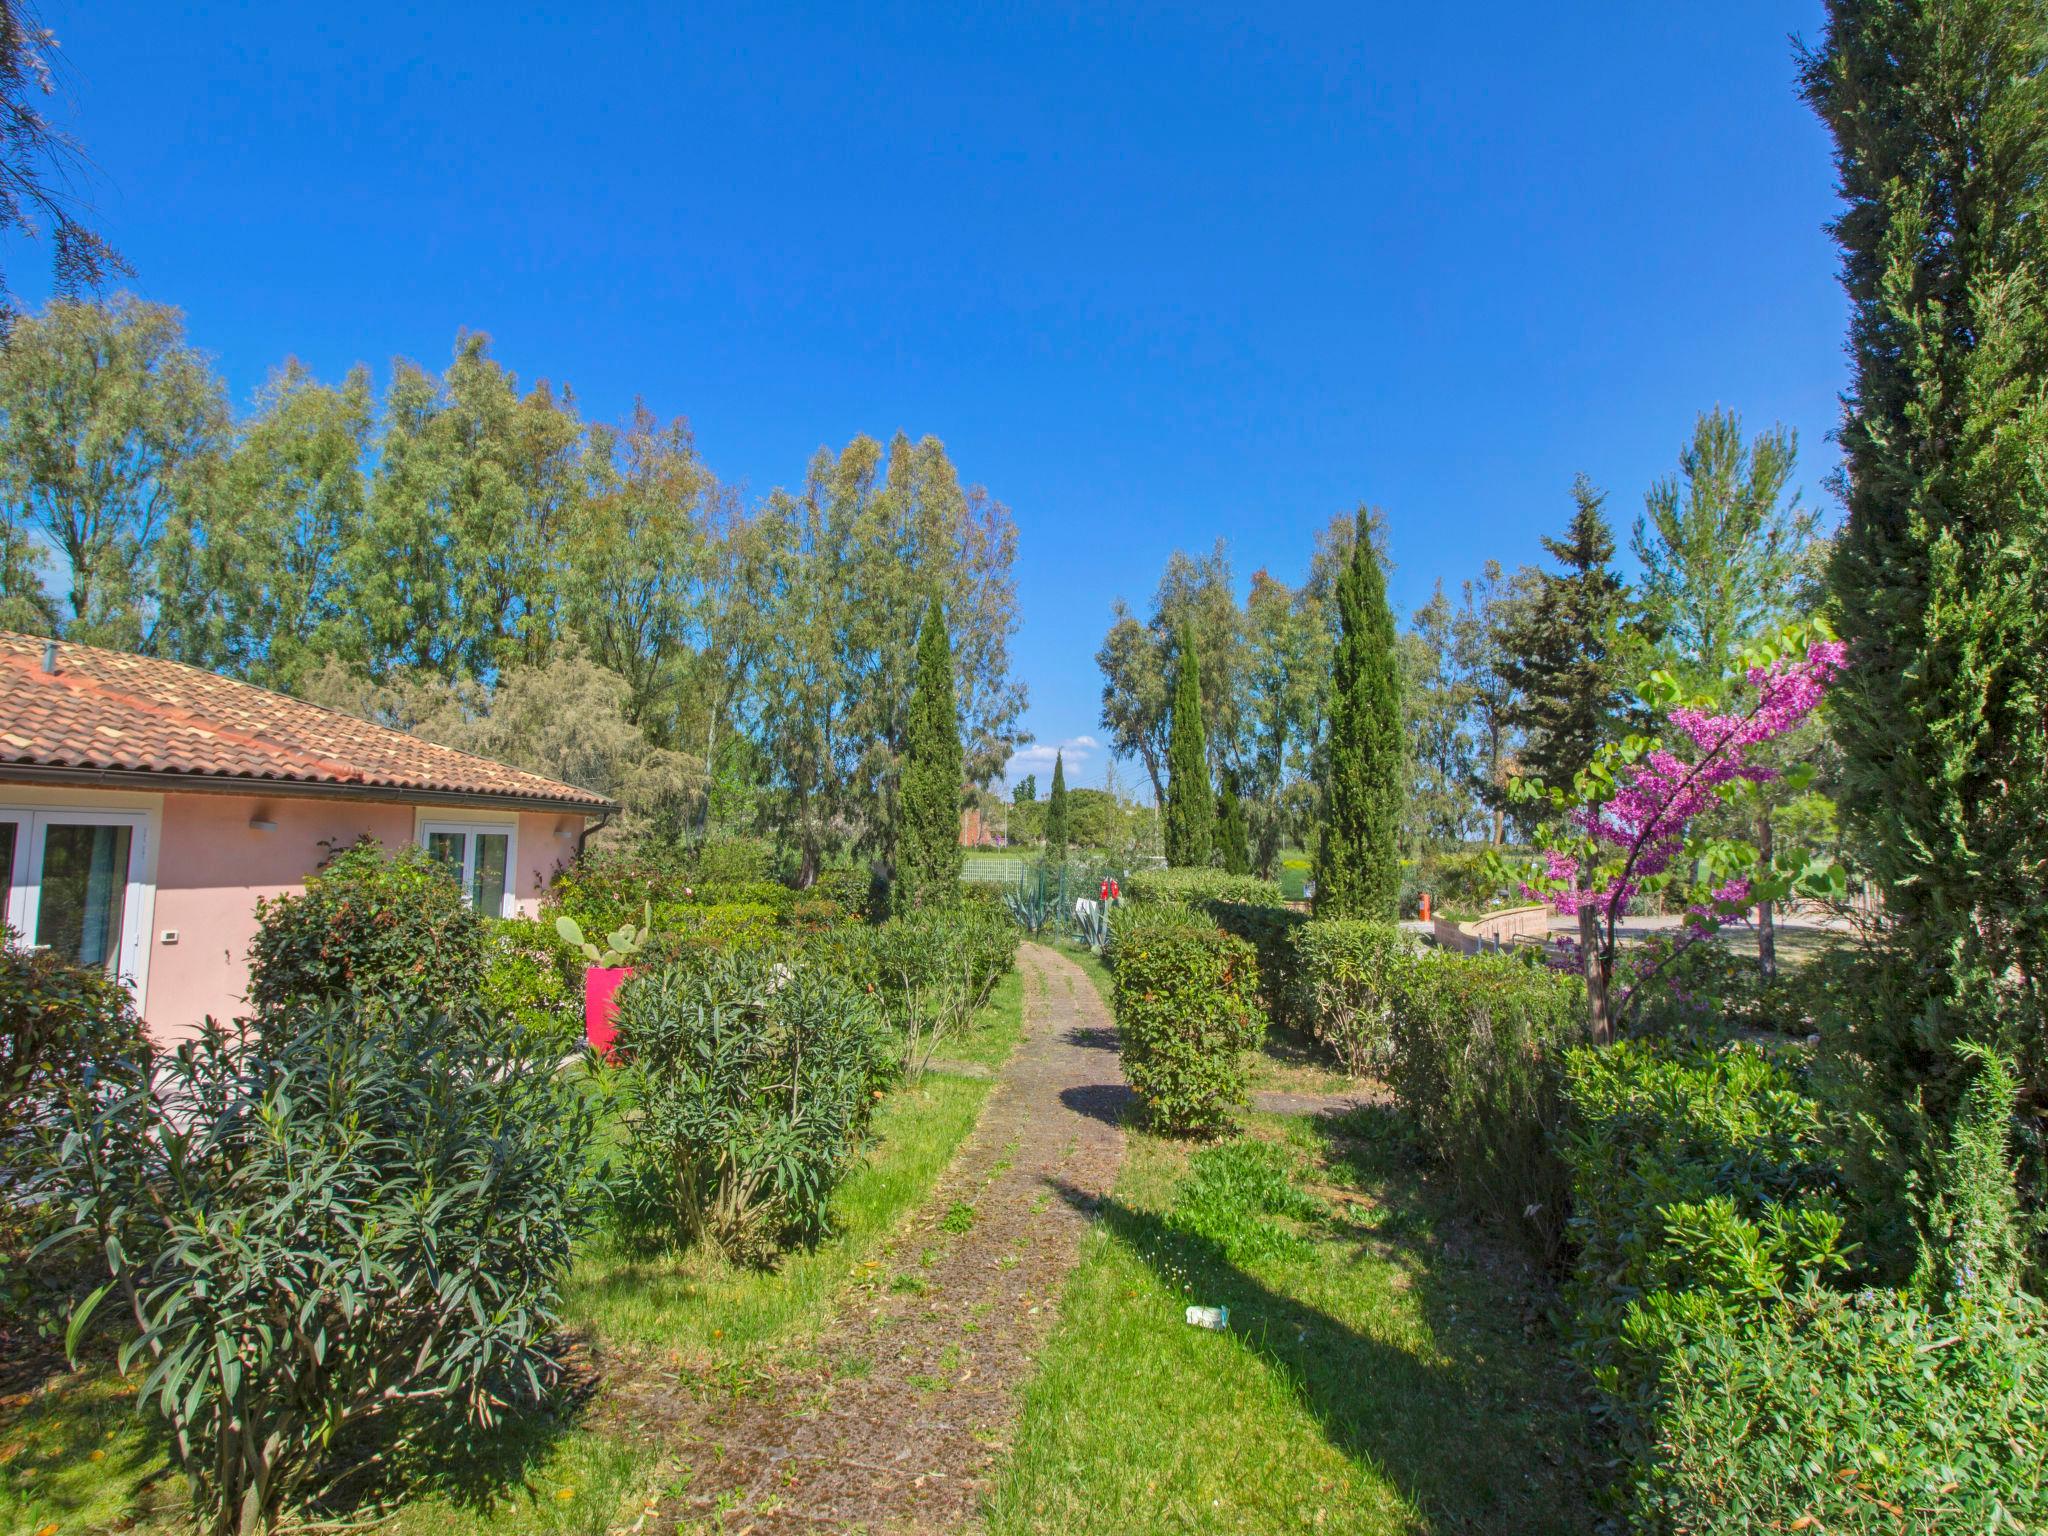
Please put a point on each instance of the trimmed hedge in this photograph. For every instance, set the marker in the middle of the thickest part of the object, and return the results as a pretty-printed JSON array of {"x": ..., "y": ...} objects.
[
  {"x": 1185, "y": 998},
  {"x": 1478, "y": 1063},
  {"x": 1343, "y": 979},
  {"x": 1192, "y": 887}
]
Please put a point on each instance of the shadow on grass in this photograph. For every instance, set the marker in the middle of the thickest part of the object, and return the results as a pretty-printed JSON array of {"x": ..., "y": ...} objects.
[{"x": 1467, "y": 1423}]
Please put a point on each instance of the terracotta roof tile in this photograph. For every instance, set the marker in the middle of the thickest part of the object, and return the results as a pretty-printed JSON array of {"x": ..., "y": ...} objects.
[{"x": 110, "y": 711}]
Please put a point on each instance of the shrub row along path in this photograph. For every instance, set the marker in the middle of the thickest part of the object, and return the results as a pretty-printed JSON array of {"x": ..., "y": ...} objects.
[{"x": 896, "y": 1422}]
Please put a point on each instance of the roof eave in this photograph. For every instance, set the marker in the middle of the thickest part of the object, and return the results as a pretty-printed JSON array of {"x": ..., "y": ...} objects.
[{"x": 160, "y": 781}]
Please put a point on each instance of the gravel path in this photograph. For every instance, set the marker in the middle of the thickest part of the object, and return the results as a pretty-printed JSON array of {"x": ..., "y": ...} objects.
[{"x": 911, "y": 1396}]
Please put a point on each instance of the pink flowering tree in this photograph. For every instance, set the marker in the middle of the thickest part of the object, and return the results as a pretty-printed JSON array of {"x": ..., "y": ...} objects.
[{"x": 1626, "y": 826}]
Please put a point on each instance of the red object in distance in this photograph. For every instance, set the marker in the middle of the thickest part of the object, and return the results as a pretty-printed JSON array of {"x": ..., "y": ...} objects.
[{"x": 601, "y": 1006}]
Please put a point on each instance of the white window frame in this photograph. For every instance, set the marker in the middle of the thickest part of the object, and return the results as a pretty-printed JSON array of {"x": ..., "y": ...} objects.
[
  {"x": 24, "y": 902},
  {"x": 467, "y": 828}
]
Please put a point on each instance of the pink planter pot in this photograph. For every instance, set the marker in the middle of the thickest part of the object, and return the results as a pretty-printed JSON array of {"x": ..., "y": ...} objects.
[{"x": 601, "y": 1006}]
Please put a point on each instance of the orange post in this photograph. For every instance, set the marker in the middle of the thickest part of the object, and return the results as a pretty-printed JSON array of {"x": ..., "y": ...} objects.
[{"x": 1425, "y": 906}]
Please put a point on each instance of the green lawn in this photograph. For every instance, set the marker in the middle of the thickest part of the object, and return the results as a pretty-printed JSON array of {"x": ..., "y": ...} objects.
[
  {"x": 74, "y": 1456},
  {"x": 1380, "y": 1374}
]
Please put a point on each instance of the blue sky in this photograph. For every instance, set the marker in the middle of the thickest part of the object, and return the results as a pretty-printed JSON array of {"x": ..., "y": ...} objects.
[{"x": 1155, "y": 274}]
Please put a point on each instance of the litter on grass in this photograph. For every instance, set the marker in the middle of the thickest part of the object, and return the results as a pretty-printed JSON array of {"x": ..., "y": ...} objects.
[{"x": 1215, "y": 1319}]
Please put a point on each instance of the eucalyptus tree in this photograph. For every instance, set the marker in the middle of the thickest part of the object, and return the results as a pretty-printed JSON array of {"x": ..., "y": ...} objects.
[{"x": 109, "y": 424}]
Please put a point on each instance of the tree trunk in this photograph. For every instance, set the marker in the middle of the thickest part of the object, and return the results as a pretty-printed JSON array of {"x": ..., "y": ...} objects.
[
  {"x": 1598, "y": 1023},
  {"x": 1766, "y": 911}
]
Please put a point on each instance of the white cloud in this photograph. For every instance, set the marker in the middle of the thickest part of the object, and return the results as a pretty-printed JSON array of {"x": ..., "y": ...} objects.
[{"x": 1037, "y": 758}]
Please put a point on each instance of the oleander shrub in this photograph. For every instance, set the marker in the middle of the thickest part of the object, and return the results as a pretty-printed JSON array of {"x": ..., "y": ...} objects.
[
  {"x": 1478, "y": 1064},
  {"x": 1190, "y": 887},
  {"x": 341, "y": 1230},
  {"x": 389, "y": 930},
  {"x": 934, "y": 969},
  {"x": 747, "y": 1086},
  {"x": 533, "y": 977},
  {"x": 1185, "y": 996},
  {"x": 1343, "y": 979},
  {"x": 67, "y": 1033}
]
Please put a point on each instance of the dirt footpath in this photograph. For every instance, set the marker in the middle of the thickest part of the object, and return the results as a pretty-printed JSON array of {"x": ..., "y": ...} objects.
[{"x": 913, "y": 1393}]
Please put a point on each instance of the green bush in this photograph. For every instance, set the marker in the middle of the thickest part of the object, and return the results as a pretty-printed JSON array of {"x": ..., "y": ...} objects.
[
  {"x": 337, "y": 1230},
  {"x": 534, "y": 978},
  {"x": 66, "y": 1033},
  {"x": 1478, "y": 1046},
  {"x": 1270, "y": 931},
  {"x": 1185, "y": 997},
  {"x": 1871, "y": 1413},
  {"x": 1343, "y": 979},
  {"x": 732, "y": 859},
  {"x": 1690, "y": 1168},
  {"x": 747, "y": 1089},
  {"x": 392, "y": 931},
  {"x": 852, "y": 891},
  {"x": 934, "y": 969},
  {"x": 1192, "y": 887}
]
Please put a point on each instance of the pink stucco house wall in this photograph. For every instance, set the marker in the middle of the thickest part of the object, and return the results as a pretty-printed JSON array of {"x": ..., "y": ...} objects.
[{"x": 146, "y": 806}]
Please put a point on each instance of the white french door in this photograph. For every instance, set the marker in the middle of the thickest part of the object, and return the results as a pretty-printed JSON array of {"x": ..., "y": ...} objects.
[
  {"x": 74, "y": 886},
  {"x": 481, "y": 857}
]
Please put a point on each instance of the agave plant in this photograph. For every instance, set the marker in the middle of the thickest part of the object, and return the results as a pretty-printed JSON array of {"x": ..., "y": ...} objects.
[
  {"x": 1032, "y": 912},
  {"x": 621, "y": 946},
  {"x": 1091, "y": 925}
]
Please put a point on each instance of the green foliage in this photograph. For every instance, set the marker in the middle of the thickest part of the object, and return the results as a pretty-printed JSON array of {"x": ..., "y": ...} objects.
[
  {"x": 66, "y": 1033},
  {"x": 1940, "y": 574},
  {"x": 1691, "y": 1168},
  {"x": 1056, "y": 828},
  {"x": 1233, "y": 1192},
  {"x": 621, "y": 945},
  {"x": 1345, "y": 978},
  {"x": 928, "y": 857},
  {"x": 1194, "y": 887},
  {"x": 747, "y": 1089},
  {"x": 1364, "y": 774},
  {"x": 108, "y": 418},
  {"x": 1190, "y": 801},
  {"x": 1478, "y": 1063},
  {"x": 1233, "y": 850},
  {"x": 340, "y": 1229},
  {"x": 850, "y": 891},
  {"x": 533, "y": 979},
  {"x": 1185, "y": 998},
  {"x": 934, "y": 970},
  {"x": 1461, "y": 880},
  {"x": 1871, "y": 1413},
  {"x": 1571, "y": 650},
  {"x": 391, "y": 931}
]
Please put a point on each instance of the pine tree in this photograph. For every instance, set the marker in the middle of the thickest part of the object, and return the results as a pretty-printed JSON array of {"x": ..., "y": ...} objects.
[
  {"x": 1940, "y": 575},
  {"x": 1567, "y": 650},
  {"x": 1358, "y": 862},
  {"x": 1190, "y": 802},
  {"x": 1233, "y": 840},
  {"x": 1056, "y": 812},
  {"x": 928, "y": 858}
]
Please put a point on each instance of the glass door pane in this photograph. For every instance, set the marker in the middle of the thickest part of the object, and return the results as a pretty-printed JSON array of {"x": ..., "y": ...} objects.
[
  {"x": 446, "y": 848},
  {"x": 84, "y": 893},
  {"x": 487, "y": 890}
]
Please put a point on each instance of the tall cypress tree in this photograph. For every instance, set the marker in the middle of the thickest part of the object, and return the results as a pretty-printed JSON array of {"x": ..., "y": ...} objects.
[
  {"x": 1358, "y": 861},
  {"x": 1190, "y": 802},
  {"x": 1939, "y": 112},
  {"x": 928, "y": 858},
  {"x": 1565, "y": 651},
  {"x": 1056, "y": 812}
]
